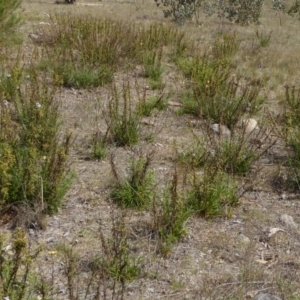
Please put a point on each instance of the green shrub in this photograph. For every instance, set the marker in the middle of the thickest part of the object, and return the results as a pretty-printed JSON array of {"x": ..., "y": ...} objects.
[
  {"x": 33, "y": 157},
  {"x": 180, "y": 10},
  {"x": 291, "y": 128},
  {"x": 84, "y": 76},
  {"x": 123, "y": 120},
  {"x": 194, "y": 155},
  {"x": 213, "y": 194},
  {"x": 224, "y": 102},
  {"x": 110, "y": 269},
  {"x": 263, "y": 38},
  {"x": 152, "y": 64},
  {"x": 169, "y": 217},
  {"x": 243, "y": 12},
  {"x": 146, "y": 107},
  {"x": 234, "y": 156},
  {"x": 99, "y": 150},
  {"x": 15, "y": 269},
  {"x": 136, "y": 191}
]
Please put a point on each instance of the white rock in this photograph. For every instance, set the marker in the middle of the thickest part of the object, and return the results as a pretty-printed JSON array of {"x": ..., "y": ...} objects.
[
  {"x": 289, "y": 221},
  {"x": 221, "y": 129},
  {"x": 244, "y": 239},
  {"x": 249, "y": 125},
  {"x": 33, "y": 36}
]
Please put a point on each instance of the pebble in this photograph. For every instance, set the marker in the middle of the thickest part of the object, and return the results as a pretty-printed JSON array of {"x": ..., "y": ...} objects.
[
  {"x": 244, "y": 239},
  {"x": 289, "y": 221},
  {"x": 249, "y": 125},
  {"x": 221, "y": 129},
  {"x": 33, "y": 36}
]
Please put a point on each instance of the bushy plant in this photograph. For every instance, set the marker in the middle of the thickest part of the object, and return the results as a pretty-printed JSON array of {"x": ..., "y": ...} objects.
[
  {"x": 263, "y": 38},
  {"x": 152, "y": 64},
  {"x": 234, "y": 156},
  {"x": 146, "y": 106},
  {"x": 136, "y": 191},
  {"x": 108, "y": 270},
  {"x": 169, "y": 216},
  {"x": 291, "y": 128},
  {"x": 123, "y": 120},
  {"x": 212, "y": 194},
  {"x": 16, "y": 267},
  {"x": 243, "y": 12},
  {"x": 99, "y": 150},
  {"x": 223, "y": 103},
  {"x": 232, "y": 153},
  {"x": 194, "y": 155},
  {"x": 180, "y": 10},
  {"x": 33, "y": 157},
  {"x": 214, "y": 92}
]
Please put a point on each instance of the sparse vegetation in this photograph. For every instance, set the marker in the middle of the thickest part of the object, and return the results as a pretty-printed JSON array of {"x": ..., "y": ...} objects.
[{"x": 165, "y": 96}]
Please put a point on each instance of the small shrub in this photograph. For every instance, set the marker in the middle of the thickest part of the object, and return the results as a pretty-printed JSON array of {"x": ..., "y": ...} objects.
[
  {"x": 99, "y": 150},
  {"x": 234, "y": 156},
  {"x": 109, "y": 271},
  {"x": 33, "y": 157},
  {"x": 169, "y": 217},
  {"x": 115, "y": 264},
  {"x": 152, "y": 64},
  {"x": 146, "y": 107},
  {"x": 180, "y": 10},
  {"x": 291, "y": 128},
  {"x": 213, "y": 194},
  {"x": 243, "y": 12},
  {"x": 224, "y": 102},
  {"x": 195, "y": 155},
  {"x": 122, "y": 119},
  {"x": 264, "y": 39},
  {"x": 136, "y": 191},
  {"x": 84, "y": 76},
  {"x": 15, "y": 268}
]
